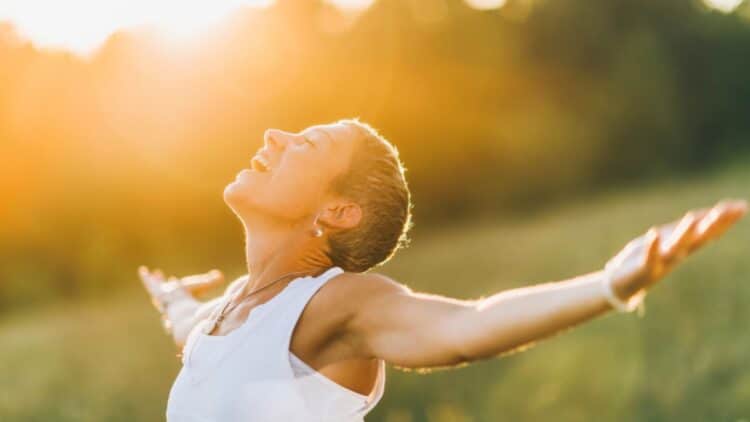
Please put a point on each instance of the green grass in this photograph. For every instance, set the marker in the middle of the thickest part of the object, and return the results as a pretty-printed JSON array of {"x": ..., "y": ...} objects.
[{"x": 687, "y": 358}]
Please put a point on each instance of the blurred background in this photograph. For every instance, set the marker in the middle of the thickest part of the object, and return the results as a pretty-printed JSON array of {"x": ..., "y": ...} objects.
[{"x": 539, "y": 136}]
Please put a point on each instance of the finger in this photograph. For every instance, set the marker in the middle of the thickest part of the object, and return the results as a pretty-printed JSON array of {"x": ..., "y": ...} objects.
[
  {"x": 217, "y": 274},
  {"x": 707, "y": 223},
  {"x": 211, "y": 277},
  {"x": 718, "y": 221},
  {"x": 667, "y": 231},
  {"x": 202, "y": 282},
  {"x": 143, "y": 274},
  {"x": 677, "y": 247},
  {"x": 700, "y": 213},
  {"x": 653, "y": 252},
  {"x": 722, "y": 224},
  {"x": 743, "y": 205},
  {"x": 739, "y": 207},
  {"x": 719, "y": 215},
  {"x": 151, "y": 285}
]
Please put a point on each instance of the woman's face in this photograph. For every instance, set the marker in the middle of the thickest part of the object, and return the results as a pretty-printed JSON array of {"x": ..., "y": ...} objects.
[{"x": 289, "y": 177}]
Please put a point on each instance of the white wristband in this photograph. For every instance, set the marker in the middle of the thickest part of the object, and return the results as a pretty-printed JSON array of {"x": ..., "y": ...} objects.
[{"x": 631, "y": 305}]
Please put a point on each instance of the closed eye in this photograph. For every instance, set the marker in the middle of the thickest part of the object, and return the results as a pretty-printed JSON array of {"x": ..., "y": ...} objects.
[{"x": 307, "y": 140}]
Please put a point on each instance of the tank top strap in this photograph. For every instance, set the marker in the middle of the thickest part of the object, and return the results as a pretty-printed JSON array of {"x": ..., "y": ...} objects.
[
  {"x": 378, "y": 390},
  {"x": 299, "y": 295}
]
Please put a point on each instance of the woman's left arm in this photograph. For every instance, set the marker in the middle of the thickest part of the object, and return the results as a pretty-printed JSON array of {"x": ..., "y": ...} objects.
[{"x": 417, "y": 330}]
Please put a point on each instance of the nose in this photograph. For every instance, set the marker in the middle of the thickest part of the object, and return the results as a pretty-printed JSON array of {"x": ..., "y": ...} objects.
[{"x": 274, "y": 138}]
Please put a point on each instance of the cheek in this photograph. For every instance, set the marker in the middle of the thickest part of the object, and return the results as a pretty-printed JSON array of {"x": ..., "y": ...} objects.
[
  {"x": 296, "y": 196},
  {"x": 291, "y": 193},
  {"x": 301, "y": 178}
]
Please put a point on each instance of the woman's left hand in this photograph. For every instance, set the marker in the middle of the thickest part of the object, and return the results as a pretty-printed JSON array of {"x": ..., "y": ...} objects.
[{"x": 648, "y": 258}]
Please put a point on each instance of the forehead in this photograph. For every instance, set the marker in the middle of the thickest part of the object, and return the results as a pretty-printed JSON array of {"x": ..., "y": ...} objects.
[{"x": 339, "y": 135}]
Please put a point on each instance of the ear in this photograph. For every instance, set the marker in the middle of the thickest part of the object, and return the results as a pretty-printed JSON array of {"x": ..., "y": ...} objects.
[{"x": 341, "y": 215}]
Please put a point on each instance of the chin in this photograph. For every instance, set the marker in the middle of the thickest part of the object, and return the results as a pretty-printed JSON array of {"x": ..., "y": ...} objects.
[
  {"x": 241, "y": 198},
  {"x": 235, "y": 195}
]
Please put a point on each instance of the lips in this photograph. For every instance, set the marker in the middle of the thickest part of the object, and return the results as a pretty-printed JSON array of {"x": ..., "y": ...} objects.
[{"x": 260, "y": 163}]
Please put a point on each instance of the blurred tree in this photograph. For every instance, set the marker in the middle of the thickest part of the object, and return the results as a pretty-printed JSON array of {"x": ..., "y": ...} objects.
[{"x": 121, "y": 157}]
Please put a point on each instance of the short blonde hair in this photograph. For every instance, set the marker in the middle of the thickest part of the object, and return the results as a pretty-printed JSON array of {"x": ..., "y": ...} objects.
[{"x": 376, "y": 181}]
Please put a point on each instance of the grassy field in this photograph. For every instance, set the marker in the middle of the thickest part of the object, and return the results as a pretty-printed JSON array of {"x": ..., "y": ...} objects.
[{"x": 686, "y": 359}]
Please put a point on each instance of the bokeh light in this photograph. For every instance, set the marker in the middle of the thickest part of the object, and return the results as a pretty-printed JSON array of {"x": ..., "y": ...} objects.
[
  {"x": 486, "y": 4},
  {"x": 725, "y": 6},
  {"x": 351, "y": 5}
]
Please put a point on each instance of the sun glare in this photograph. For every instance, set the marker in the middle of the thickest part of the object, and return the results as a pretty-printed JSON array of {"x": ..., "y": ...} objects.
[
  {"x": 725, "y": 6},
  {"x": 352, "y": 5},
  {"x": 486, "y": 4},
  {"x": 83, "y": 25}
]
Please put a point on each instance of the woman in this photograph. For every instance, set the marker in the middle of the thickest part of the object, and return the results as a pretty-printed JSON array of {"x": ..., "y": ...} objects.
[{"x": 304, "y": 336}]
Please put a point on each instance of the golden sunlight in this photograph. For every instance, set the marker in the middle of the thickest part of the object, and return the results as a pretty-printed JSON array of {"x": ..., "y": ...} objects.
[
  {"x": 726, "y": 6},
  {"x": 83, "y": 25},
  {"x": 486, "y": 4},
  {"x": 353, "y": 5}
]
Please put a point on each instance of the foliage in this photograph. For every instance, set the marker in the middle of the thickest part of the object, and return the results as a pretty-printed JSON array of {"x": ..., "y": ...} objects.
[{"x": 120, "y": 158}]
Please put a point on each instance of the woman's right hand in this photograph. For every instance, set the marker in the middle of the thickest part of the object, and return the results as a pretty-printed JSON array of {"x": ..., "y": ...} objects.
[{"x": 166, "y": 290}]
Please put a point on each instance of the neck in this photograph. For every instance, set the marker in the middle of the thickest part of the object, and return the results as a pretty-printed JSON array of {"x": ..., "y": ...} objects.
[{"x": 274, "y": 249}]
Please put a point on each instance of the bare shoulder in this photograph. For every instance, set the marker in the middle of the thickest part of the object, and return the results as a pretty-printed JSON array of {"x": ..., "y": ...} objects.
[
  {"x": 348, "y": 294},
  {"x": 356, "y": 289},
  {"x": 343, "y": 303},
  {"x": 326, "y": 335}
]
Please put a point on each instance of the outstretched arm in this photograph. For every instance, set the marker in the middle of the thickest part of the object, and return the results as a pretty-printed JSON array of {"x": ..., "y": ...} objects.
[{"x": 417, "y": 330}]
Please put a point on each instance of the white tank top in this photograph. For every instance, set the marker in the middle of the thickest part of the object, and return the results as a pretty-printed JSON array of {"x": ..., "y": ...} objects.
[{"x": 250, "y": 375}]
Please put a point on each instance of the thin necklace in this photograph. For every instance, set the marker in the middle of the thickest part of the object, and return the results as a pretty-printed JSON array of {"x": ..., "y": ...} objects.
[{"x": 219, "y": 317}]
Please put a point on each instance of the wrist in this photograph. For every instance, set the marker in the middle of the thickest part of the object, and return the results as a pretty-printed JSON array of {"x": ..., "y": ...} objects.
[
  {"x": 623, "y": 298},
  {"x": 622, "y": 287}
]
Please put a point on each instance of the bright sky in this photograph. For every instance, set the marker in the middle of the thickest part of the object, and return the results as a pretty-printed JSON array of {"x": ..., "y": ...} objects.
[{"x": 82, "y": 25}]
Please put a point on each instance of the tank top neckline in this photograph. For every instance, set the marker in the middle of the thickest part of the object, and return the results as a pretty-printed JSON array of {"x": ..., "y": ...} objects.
[{"x": 253, "y": 315}]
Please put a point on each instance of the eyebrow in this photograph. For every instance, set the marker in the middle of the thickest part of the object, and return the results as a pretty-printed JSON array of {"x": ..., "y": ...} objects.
[{"x": 327, "y": 135}]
